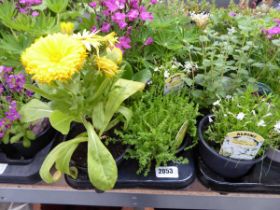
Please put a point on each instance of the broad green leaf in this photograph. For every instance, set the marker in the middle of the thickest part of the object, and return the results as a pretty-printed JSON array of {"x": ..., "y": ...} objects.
[
  {"x": 127, "y": 113},
  {"x": 60, "y": 155},
  {"x": 61, "y": 121},
  {"x": 35, "y": 110},
  {"x": 102, "y": 168},
  {"x": 57, "y": 6},
  {"x": 121, "y": 90},
  {"x": 142, "y": 76}
]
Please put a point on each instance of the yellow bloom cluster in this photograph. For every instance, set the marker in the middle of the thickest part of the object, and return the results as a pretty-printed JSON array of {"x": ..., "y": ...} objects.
[
  {"x": 58, "y": 56},
  {"x": 67, "y": 27},
  {"x": 55, "y": 57}
]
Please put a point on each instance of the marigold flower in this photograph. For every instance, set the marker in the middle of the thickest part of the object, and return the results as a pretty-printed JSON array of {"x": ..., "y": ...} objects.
[
  {"x": 107, "y": 66},
  {"x": 54, "y": 57},
  {"x": 67, "y": 27}
]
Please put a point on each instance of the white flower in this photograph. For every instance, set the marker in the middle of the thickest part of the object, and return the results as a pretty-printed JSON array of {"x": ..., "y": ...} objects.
[
  {"x": 277, "y": 127},
  {"x": 216, "y": 103},
  {"x": 156, "y": 69},
  {"x": 240, "y": 116},
  {"x": 228, "y": 97},
  {"x": 200, "y": 19},
  {"x": 268, "y": 114},
  {"x": 261, "y": 123},
  {"x": 166, "y": 74},
  {"x": 253, "y": 112}
]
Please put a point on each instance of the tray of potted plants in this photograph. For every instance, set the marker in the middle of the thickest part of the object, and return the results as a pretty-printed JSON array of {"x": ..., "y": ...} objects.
[
  {"x": 24, "y": 145},
  {"x": 158, "y": 138},
  {"x": 238, "y": 144}
]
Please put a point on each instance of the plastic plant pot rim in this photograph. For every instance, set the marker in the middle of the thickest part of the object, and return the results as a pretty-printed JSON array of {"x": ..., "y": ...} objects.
[
  {"x": 273, "y": 154},
  {"x": 202, "y": 124}
]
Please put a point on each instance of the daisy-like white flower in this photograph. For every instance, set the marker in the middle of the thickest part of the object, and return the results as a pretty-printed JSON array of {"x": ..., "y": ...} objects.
[
  {"x": 240, "y": 116},
  {"x": 200, "y": 19},
  {"x": 277, "y": 127},
  {"x": 217, "y": 103},
  {"x": 261, "y": 123},
  {"x": 166, "y": 74}
]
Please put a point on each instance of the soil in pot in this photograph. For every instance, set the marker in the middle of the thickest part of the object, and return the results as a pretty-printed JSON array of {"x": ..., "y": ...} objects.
[
  {"x": 79, "y": 158},
  {"x": 224, "y": 166}
]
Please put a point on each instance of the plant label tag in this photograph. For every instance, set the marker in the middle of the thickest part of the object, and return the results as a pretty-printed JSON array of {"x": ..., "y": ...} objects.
[
  {"x": 3, "y": 167},
  {"x": 167, "y": 172},
  {"x": 242, "y": 145}
]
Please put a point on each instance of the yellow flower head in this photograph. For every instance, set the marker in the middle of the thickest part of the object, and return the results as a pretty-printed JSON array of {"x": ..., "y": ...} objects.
[
  {"x": 107, "y": 66},
  {"x": 54, "y": 57},
  {"x": 67, "y": 27}
]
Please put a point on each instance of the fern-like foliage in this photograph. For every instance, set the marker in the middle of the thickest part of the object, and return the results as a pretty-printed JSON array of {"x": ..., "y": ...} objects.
[{"x": 154, "y": 126}]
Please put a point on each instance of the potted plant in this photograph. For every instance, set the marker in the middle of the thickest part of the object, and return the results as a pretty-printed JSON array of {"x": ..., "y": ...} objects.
[
  {"x": 19, "y": 139},
  {"x": 161, "y": 127},
  {"x": 236, "y": 136},
  {"x": 80, "y": 76}
]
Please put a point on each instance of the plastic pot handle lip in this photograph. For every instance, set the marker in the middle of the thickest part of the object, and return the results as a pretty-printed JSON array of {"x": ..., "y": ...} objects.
[{"x": 203, "y": 123}]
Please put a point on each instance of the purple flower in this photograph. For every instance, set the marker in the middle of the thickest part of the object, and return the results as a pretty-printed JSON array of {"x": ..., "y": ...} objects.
[
  {"x": 134, "y": 4},
  {"x": 35, "y": 13},
  {"x": 124, "y": 43},
  {"x": 93, "y": 29},
  {"x": 111, "y": 5},
  {"x": 149, "y": 41},
  {"x": 118, "y": 17},
  {"x": 232, "y": 14},
  {"x": 29, "y": 93},
  {"x": 274, "y": 31},
  {"x": 144, "y": 15},
  {"x": 132, "y": 14},
  {"x": 106, "y": 27},
  {"x": 1, "y": 89},
  {"x": 12, "y": 113},
  {"x": 92, "y": 4},
  {"x": 153, "y": 1},
  {"x": 16, "y": 82},
  {"x": 277, "y": 21}
]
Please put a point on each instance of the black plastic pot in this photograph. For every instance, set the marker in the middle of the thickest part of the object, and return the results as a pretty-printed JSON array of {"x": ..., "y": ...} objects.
[
  {"x": 18, "y": 151},
  {"x": 263, "y": 89},
  {"x": 273, "y": 155},
  {"x": 224, "y": 166}
]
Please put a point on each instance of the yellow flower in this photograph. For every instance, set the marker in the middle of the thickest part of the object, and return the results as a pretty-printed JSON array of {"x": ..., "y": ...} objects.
[
  {"x": 114, "y": 54},
  {"x": 201, "y": 19},
  {"x": 54, "y": 57},
  {"x": 110, "y": 38},
  {"x": 107, "y": 66},
  {"x": 67, "y": 27}
]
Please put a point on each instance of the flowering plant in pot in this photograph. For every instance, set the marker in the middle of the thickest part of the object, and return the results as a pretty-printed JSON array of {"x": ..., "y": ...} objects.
[
  {"x": 80, "y": 76},
  {"x": 160, "y": 128},
  {"x": 239, "y": 132},
  {"x": 17, "y": 135}
]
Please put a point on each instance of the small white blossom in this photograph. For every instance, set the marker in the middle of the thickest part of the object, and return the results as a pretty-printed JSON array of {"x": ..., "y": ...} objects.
[
  {"x": 253, "y": 112},
  {"x": 277, "y": 127},
  {"x": 166, "y": 74},
  {"x": 156, "y": 69},
  {"x": 216, "y": 103},
  {"x": 261, "y": 123},
  {"x": 240, "y": 116},
  {"x": 228, "y": 97}
]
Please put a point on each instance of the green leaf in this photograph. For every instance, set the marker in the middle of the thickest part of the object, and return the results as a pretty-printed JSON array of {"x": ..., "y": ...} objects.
[
  {"x": 121, "y": 90},
  {"x": 102, "y": 168},
  {"x": 60, "y": 155},
  {"x": 142, "y": 76},
  {"x": 57, "y": 6},
  {"x": 181, "y": 135},
  {"x": 61, "y": 121},
  {"x": 35, "y": 110}
]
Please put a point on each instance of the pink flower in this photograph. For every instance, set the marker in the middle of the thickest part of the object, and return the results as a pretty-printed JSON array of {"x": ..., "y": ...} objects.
[
  {"x": 92, "y": 4},
  {"x": 106, "y": 27},
  {"x": 93, "y": 29},
  {"x": 132, "y": 14},
  {"x": 153, "y": 1},
  {"x": 124, "y": 43},
  {"x": 149, "y": 41},
  {"x": 144, "y": 15},
  {"x": 134, "y": 4},
  {"x": 277, "y": 21},
  {"x": 118, "y": 17},
  {"x": 111, "y": 5},
  {"x": 35, "y": 13}
]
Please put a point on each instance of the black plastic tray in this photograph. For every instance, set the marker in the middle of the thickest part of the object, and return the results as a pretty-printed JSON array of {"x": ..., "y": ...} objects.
[
  {"x": 24, "y": 171},
  {"x": 128, "y": 178},
  {"x": 264, "y": 178}
]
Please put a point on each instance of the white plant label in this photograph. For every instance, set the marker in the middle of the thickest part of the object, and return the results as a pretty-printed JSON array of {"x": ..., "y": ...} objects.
[
  {"x": 242, "y": 145},
  {"x": 167, "y": 172},
  {"x": 3, "y": 168}
]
